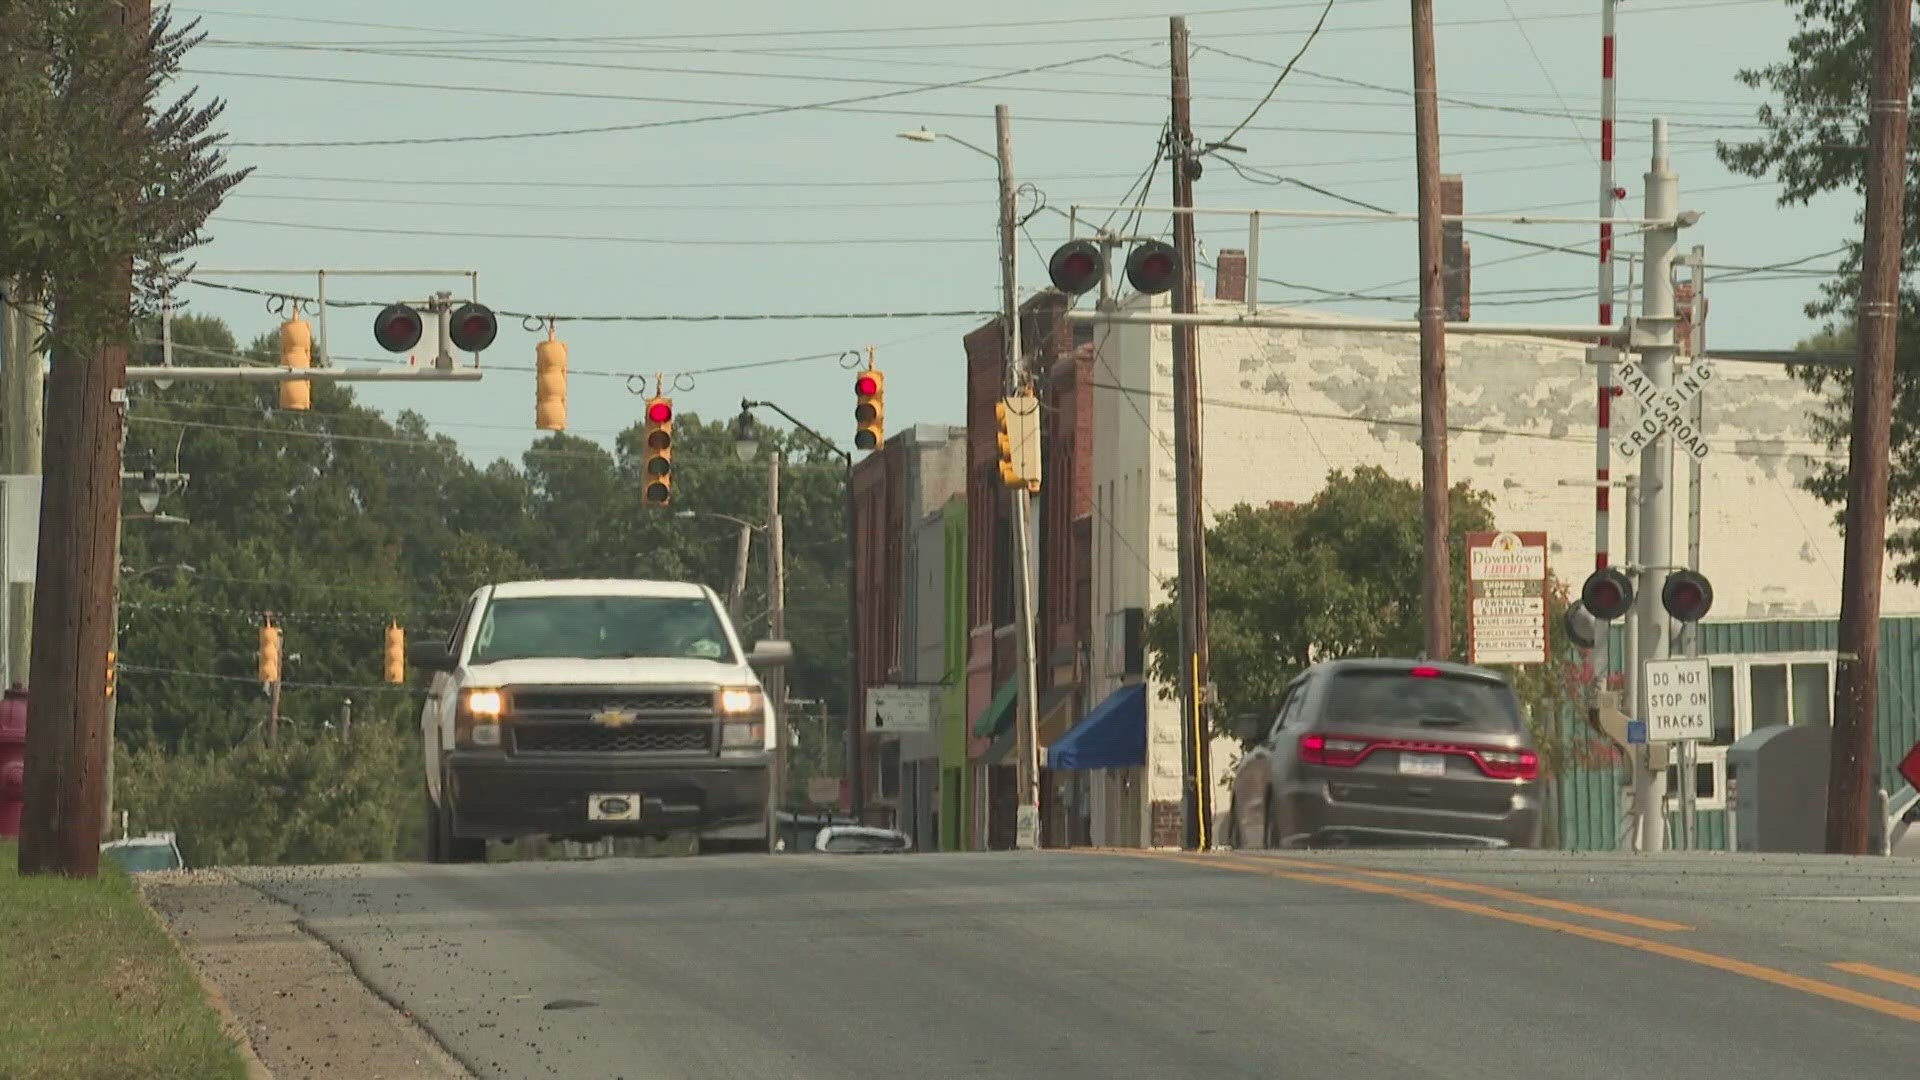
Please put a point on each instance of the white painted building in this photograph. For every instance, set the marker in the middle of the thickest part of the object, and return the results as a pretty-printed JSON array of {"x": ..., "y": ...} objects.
[{"x": 1283, "y": 408}]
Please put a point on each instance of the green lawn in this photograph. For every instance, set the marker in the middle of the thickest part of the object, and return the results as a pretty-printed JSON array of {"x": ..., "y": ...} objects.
[{"x": 93, "y": 986}]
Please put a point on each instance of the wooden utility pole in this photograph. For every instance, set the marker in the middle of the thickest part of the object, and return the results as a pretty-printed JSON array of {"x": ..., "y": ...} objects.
[
  {"x": 1187, "y": 473},
  {"x": 1435, "y": 588},
  {"x": 73, "y": 601},
  {"x": 1851, "y": 782}
]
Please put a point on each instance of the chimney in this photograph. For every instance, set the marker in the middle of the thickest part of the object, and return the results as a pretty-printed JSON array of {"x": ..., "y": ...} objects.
[
  {"x": 1683, "y": 317},
  {"x": 1453, "y": 249},
  {"x": 1230, "y": 276}
]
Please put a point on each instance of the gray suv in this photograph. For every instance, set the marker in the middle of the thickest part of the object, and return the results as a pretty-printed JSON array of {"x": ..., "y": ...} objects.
[{"x": 1391, "y": 752}]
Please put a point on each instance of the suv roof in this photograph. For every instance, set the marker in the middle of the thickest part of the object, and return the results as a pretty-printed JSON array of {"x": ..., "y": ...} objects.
[
  {"x": 599, "y": 587},
  {"x": 1384, "y": 663}
]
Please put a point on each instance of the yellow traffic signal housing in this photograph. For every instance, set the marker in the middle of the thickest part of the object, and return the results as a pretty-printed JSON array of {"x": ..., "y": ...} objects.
[
  {"x": 269, "y": 653},
  {"x": 658, "y": 468},
  {"x": 112, "y": 670},
  {"x": 870, "y": 409},
  {"x": 296, "y": 351},
  {"x": 550, "y": 384},
  {"x": 396, "y": 665},
  {"x": 1019, "y": 440}
]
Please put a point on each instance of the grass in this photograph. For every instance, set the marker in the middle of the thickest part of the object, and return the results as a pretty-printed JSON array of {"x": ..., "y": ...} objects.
[{"x": 94, "y": 987}]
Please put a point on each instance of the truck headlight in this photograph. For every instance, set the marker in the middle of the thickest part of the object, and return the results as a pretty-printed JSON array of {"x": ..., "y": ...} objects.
[
  {"x": 738, "y": 701},
  {"x": 486, "y": 704},
  {"x": 477, "y": 720}
]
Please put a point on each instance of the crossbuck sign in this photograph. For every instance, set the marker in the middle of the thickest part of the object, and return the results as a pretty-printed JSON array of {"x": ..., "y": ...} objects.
[{"x": 1663, "y": 408}]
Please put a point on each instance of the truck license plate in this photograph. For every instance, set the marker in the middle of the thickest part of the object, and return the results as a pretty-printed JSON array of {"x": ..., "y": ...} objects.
[{"x": 613, "y": 807}]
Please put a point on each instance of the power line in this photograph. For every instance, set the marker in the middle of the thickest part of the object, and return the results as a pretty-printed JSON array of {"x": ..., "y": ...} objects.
[{"x": 1284, "y": 72}]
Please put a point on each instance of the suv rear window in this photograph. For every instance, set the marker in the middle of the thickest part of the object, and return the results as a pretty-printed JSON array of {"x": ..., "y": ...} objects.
[{"x": 1400, "y": 698}]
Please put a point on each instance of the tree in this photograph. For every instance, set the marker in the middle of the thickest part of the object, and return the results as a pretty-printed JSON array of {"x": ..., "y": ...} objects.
[
  {"x": 1337, "y": 576},
  {"x": 1813, "y": 146}
]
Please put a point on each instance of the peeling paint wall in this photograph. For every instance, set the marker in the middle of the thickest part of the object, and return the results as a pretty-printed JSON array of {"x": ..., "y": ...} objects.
[{"x": 1283, "y": 408}]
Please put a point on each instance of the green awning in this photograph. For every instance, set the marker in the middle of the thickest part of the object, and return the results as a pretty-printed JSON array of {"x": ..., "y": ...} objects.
[{"x": 998, "y": 711}]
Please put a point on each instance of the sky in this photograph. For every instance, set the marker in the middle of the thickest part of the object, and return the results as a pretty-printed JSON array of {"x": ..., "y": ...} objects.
[{"x": 814, "y": 206}]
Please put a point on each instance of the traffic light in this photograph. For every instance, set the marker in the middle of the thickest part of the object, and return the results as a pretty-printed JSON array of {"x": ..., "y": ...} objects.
[
  {"x": 296, "y": 351},
  {"x": 1076, "y": 267},
  {"x": 472, "y": 327},
  {"x": 1687, "y": 596},
  {"x": 869, "y": 412},
  {"x": 550, "y": 384},
  {"x": 397, "y": 328},
  {"x": 112, "y": 658},
  {"x": 1153, "y": 267},
  {"x": 1009, "y": 476},
  {"x": 269, "y": 653},
  {"x": 396, "y": 665},
  {"x": 659, "y": 459},
  {"x": 1607, "y": 594},
  {"x": 1019, "y": 440}
]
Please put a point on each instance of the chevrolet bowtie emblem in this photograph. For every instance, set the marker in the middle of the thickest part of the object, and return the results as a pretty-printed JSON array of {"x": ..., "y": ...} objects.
[{"x": 613, "y": 718}]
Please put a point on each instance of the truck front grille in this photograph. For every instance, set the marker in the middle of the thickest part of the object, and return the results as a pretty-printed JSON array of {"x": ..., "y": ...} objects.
[
  {"x": 587, "y": 701},
  {"x": 640, "y": 738}
]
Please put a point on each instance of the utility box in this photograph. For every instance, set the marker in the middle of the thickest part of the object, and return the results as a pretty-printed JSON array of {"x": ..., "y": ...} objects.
[{"x": 1777, "y": 789}]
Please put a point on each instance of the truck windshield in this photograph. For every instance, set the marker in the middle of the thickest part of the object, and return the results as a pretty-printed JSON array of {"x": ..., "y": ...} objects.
[{"x": 601, "y": 628}]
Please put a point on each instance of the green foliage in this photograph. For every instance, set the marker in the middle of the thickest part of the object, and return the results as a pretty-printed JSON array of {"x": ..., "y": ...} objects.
[
  {"x": 97, "y": 172},
  {"x": 1811, "y": 147},
  {"x": 1292, "y": 585},
  {"x": 339, "y": 520}
]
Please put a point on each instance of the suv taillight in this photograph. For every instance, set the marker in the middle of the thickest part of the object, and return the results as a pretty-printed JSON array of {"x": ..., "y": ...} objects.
[
  {"x": 1337, "y": 752},
  {"x": 1509, "y": 764}
]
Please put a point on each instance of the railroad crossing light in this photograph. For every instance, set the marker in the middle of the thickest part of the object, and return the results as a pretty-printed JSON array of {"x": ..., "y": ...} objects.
[
  {"x": 550, "y": 384},
  {"x": 1153, "y": 267},
  {"x": 396, "y": 665},
  {"x": 296, "y": 351},
  {"x": 870, "y": 409},
  {"x": 1077, "y": 267},
  {"x": 397, "y": 328},
  {"x": 1607, "y": 594},
  {"x": 269, "y": 653},
  {"x": 1582, "y": 629},
  {"x": 658, "y": 470},
  {"x": 472, "y": 327},
  {"x": 1687, "y": 596}
]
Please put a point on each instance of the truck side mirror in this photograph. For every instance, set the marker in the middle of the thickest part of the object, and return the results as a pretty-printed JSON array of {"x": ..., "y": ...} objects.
[
  {"x": 770, "y": 653},
  {"x": 429, "y": 656}
]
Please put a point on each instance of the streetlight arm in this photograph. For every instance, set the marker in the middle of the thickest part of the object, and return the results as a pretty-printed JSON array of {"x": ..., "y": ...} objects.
[{"x": 844, "y": 455}]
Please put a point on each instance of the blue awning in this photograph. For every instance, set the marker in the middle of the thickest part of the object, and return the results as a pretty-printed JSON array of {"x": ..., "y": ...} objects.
[{"x": 1112, "y": 736}]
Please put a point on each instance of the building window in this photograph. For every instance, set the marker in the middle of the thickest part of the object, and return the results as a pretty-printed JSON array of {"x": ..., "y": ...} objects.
[{"x": 1749, "y": 693}]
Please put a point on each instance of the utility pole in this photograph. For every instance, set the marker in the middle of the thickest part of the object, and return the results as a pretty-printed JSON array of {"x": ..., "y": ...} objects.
[
  {"x": 1436, "y": 594},
  {"x": 1188, "y": 476},
  {"x": 22, "y": 392},
  {"x": 1697, "y": 348},
  {"x": 1856, "y": 689},
  {"x": 1027, "y": 724},
  {"x": 777, "y": 626},
  {"x": 73, "y": 601},
  {"x": 1655, "y": 336}
]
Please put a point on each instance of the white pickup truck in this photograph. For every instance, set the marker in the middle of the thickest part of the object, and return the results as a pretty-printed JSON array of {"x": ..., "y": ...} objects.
[{"x": 589, "y": 708}]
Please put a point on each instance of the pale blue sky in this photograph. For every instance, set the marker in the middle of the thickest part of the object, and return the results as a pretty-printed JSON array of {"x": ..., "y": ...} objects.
[{"x": 779, "y": 213}]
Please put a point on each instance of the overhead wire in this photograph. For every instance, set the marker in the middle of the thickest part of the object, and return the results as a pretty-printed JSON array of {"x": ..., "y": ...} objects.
[{"x": 1284, "y": 72}]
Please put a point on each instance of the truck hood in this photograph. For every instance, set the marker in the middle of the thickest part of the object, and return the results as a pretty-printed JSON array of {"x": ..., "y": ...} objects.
[{"x": 633, "y": 672}]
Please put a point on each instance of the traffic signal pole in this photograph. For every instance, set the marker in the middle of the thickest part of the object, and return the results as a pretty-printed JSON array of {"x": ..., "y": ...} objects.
[
  {"x": 1653, "y": 331},
  {"x": 1027, "y": 734}
]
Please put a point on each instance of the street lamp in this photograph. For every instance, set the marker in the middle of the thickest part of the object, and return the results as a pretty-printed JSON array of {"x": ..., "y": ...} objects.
[
  {"x": 746, "y": 443},
  {"x": 150, "y": 493}
]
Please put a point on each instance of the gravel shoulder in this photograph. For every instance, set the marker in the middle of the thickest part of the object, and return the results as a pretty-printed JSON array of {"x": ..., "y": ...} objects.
[{"x": 297, "y": 1002}]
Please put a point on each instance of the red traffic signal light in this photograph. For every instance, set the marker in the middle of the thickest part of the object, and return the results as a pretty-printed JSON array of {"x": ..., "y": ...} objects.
[
  {"x": 1076, "y": 267},
  {"x": 473, "y": 327},
  {"x": 658, "y": 468},
  {"x": 869, "y": 410},
  {"x": 866, "y": 385},
  {"x": 1687, "y": 596},
  {"x": 397, "y": 328},
  {"x": 1153, "y": 267},
  {"x": 659, "y": 411},
  {"x": 1607, "y": 594}
]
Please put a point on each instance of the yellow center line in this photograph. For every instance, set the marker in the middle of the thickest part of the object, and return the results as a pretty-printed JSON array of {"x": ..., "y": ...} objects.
[
  {"x": 1494, "y": 891},
  {"x": 1727, "y": 964},
  {"x": 1897, "y": 978}
]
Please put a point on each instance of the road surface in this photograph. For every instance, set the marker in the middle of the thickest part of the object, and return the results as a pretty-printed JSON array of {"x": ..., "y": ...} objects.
[{"x": 1113, "y": 965}]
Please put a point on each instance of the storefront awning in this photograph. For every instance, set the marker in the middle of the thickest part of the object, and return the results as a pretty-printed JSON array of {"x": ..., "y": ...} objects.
[
  {"x": 1113, "y": 735},
  {"x": 998, "y": 711}
]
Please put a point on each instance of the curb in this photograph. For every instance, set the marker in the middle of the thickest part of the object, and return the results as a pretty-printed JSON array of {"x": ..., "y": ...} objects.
[{"x": 229, "y": 1020}]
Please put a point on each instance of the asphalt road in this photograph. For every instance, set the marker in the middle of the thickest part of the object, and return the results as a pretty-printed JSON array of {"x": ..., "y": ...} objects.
[{"x": 1127, "y": 965}]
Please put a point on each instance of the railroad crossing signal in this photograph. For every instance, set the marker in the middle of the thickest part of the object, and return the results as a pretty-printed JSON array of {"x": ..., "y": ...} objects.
[
  {"x": 658, "y": 470},
  {"x": 1687, "y": 596},
  {"x": 1664, "y": 410},
  {"x": 1078, "y": 266},
  {"x": 1607, "y": 594},
  {"x": 472, "y": 327},
  {"x": 397, "y": 328},
  {"x": 870, "y": 409}
]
